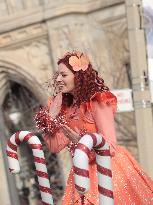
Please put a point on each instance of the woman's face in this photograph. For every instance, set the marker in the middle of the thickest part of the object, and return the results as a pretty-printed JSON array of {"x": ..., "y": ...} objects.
[{"x": 65, "y": 79}]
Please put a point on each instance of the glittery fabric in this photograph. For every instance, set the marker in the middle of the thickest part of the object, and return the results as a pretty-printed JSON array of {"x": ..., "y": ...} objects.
[
  {"x": 131, "y": 186},
  {"x": 48, "y": 125}
]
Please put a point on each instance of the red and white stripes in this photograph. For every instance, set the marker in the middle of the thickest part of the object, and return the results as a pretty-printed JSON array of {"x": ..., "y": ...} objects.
[
  {"x": 39, "y": 160},
  {"x": 103, "y": 159}
]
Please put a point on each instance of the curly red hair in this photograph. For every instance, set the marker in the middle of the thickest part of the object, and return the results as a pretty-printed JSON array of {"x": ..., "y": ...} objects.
[{"x": 87, "y": 82}]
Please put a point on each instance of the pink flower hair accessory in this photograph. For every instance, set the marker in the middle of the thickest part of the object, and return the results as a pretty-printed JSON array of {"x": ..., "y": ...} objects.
[{"x": 79, "y": 61}]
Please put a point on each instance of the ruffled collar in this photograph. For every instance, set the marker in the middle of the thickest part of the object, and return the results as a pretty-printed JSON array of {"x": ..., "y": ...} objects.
[{"x": 105, "y": 97}]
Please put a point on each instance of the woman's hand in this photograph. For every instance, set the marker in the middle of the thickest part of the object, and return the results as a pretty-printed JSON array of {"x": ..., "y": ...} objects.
[
  {"x": 56, "y": 106},
  {"x": 71, "y": 134}
]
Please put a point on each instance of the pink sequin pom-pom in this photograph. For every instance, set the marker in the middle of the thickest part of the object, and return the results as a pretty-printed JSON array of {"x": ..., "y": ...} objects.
[{"x": 48, "y": 125}]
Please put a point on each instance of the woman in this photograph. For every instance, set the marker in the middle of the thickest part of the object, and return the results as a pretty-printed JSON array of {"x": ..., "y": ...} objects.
[{"x": 84, "y": 104}]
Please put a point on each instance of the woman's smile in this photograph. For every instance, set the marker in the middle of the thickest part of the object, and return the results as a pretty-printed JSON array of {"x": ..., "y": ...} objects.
[{"x": 65, "y": 79}]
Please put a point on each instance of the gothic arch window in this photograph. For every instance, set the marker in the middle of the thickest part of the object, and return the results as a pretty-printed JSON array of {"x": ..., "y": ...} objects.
[{"x": 19, "y": 108}]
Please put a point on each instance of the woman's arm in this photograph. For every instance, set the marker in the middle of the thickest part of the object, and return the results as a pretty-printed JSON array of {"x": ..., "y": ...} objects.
[
  {"x": 57, "y": 142},
  {"x": 62, "y": 138},
  {"x": 48, "y": 120},
  {"x": 104, "y": 120}
]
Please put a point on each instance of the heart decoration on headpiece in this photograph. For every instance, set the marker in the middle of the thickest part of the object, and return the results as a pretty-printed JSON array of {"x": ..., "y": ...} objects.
[{"x": 79, "y": 61}]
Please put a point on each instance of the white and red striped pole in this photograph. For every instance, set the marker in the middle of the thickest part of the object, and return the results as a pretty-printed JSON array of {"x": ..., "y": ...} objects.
[
  {"x": 103, "y": 159},
  {"x": 39, "y": 160}
]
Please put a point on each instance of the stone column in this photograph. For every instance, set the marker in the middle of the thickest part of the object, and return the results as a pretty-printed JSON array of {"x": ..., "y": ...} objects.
[{"x": 141, "y": 92}]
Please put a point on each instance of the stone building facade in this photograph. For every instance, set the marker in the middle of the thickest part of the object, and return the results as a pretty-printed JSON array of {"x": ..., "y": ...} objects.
[{"x": 34, "y": 33}]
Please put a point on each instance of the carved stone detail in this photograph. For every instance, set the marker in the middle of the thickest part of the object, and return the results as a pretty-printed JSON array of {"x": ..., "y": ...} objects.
[
  {"x": 52, "y": 9},
  {"x": 31, "y": 63},
  {"x": 3, "y": 85},
  {"x": 18, "y": 36}
]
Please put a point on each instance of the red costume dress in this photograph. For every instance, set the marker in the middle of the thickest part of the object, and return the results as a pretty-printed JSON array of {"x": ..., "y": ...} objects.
[{"x": 131, "y": 186}]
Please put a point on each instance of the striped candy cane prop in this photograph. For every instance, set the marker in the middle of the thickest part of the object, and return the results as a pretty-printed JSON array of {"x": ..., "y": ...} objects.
[
  {"x": 39, "y": 160},
  {"x": 103, "y": 159}
]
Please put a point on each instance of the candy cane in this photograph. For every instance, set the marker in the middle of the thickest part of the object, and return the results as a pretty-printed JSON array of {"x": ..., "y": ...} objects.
[
  {"x": 39, "y": 160},
  {"x": 103, "y": 159}
]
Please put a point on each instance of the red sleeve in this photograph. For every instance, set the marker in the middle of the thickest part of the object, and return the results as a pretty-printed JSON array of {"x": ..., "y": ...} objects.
[
  {"x": 103, "y": 106},
  {"x": 105, "y": 98},
  {"x": 57, "y": 142}
]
